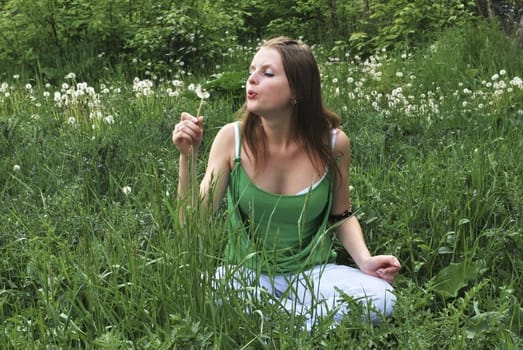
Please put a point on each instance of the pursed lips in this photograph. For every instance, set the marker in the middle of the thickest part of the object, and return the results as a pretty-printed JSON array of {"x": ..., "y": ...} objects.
[{"x": 251, "y": 94}]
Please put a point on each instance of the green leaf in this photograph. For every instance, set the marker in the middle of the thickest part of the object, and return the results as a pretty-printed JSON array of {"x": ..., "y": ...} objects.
[
  {"x": 228, "y": 81},
  {"x": 452, "y": 278}
]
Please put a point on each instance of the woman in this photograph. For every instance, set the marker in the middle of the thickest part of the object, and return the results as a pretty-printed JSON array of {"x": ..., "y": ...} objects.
[{"x": 285, "y": 171}]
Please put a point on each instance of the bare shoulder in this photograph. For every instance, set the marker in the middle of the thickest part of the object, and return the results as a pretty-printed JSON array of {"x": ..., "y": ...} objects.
[
  {"x": 222, "y": 149},
  {"x": 225, "y": 135},
  {"x": 342, "y": 145}
]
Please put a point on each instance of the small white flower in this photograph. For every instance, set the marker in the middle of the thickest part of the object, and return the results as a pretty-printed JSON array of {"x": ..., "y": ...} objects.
[
  {"x": 71, "y": 121},
  {"x": 109, "y": 119},
  {"x": 495, "y": 77},
  {"x": 28, "y": 86},
  {"x": 16, "y": 167},
  {"x": 16, "y": 76},
  {"x": 126, "y": 190},
  {"x": 502, "y": 72},
  {"x": 70, "y": 76}
]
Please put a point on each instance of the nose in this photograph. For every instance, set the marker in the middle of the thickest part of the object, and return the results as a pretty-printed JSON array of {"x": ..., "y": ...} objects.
[{"x": 252, "y": 79}]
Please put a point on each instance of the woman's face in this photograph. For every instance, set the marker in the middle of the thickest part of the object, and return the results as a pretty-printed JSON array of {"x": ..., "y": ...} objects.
[{"x": 267, "y": 88}]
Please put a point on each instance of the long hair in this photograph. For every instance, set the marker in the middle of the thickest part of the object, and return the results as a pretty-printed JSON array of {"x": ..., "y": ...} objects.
[{"x": 311, "y": 120}]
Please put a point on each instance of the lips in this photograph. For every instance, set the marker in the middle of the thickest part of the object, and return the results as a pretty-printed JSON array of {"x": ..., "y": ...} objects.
[{"x": 251, "y": 94}]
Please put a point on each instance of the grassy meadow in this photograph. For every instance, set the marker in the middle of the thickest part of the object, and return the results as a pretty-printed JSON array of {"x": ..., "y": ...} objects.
[{"x": 92, "y": 254}]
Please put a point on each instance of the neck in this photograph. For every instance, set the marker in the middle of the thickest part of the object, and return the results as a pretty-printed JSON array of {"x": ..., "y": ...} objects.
[{"x": 278, "y": 130}]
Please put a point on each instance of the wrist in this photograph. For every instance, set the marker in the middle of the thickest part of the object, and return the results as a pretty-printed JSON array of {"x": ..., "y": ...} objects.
[{"x": 362, "y": 259}]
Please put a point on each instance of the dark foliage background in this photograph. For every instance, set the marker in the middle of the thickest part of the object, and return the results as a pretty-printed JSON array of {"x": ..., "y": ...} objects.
[{"x": 97, "y": 37}]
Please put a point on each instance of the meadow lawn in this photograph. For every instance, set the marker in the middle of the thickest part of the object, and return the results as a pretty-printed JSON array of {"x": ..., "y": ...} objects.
[{"x": 92, "y": 254}]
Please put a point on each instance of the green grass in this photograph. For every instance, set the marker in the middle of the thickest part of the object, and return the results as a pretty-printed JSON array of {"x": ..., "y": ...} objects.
[{"x": 436, "y": 178}]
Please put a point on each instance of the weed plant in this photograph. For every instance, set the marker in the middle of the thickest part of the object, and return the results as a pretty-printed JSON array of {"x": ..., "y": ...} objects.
[{"x": 93, "y": 255}]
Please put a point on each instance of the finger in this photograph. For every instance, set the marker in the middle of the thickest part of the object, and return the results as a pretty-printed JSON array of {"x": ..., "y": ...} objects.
[
  {"x": 387, "y": 277},
  {"x": 190, "y": 133},
  {"x": 392, "y": 270},
  {"x": 189, "y": 118},
  {"x": 186, "y": 116}
]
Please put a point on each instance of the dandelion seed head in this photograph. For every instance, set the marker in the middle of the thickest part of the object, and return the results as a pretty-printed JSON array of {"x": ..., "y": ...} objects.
[
  {"x": 16, "y": 167},
  {"x": 517, "y": 82},
  {"x": 126, "y": 190},
  {"x": 201, "y": 92},
  {"x": 109, "y": 119}
]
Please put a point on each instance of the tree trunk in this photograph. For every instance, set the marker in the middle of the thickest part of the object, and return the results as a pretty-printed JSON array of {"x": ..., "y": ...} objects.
[
  {"x": 519, "y": 31},
  {"x": 490, "y": 12}
]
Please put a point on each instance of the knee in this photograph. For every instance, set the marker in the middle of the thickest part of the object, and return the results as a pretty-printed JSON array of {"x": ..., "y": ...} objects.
[
  {"x": 380, "y": 297},
  {"x": 376, "y": 294}
]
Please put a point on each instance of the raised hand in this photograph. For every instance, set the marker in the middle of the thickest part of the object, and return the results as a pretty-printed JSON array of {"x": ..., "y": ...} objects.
[{"x": 187, "y": 134}]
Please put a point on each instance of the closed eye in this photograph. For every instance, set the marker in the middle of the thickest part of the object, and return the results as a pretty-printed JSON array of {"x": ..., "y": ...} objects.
[{"x": 267, "y": 73}]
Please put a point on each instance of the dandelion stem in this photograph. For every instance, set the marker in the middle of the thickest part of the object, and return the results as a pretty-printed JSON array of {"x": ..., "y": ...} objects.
[
  {"x": 192, "y": 165},
  {"x": 199, "y": 107}
]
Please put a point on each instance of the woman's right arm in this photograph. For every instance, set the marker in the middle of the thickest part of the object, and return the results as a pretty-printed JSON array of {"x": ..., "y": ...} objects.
[{"x": 187, "y": 136}]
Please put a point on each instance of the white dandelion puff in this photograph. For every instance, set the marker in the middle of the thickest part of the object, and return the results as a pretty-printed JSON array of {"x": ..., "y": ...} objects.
[{"x": 126, "y": 190}]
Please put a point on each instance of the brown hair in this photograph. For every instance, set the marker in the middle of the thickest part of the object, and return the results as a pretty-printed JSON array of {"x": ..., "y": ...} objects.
[{"x": 311, "y": 120}]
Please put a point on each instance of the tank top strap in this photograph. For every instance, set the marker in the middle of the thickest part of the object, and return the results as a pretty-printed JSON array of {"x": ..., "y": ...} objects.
[
  {"x": 237, "y": 141},
  {"x": 334, "y": 133}
]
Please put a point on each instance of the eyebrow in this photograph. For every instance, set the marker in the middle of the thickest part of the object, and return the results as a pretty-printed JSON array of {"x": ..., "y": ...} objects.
[{"x": 268, "y": 65}]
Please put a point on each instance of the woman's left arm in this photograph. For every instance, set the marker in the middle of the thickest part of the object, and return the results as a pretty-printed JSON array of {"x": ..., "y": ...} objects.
[{"x": 350, "y": 233}]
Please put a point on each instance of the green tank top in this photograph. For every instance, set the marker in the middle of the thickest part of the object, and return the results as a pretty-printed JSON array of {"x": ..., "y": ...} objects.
[{"x": 273, "y": 233}]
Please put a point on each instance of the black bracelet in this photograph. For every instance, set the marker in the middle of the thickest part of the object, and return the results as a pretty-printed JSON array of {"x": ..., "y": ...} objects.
[{"x": 344, "y": 215}]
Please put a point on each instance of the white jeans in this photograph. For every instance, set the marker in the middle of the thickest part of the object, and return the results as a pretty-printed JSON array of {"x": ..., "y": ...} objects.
[{"x": 314, "y": 293}]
